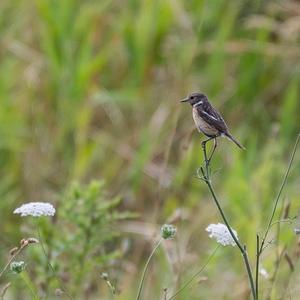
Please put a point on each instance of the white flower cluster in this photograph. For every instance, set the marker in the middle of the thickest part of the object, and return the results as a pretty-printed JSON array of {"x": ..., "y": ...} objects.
[
  {"x": 35, "y": 209},
  {"x": 221, "y": 233}
]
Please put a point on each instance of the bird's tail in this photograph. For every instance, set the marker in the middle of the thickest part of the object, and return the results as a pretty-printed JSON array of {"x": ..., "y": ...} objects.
[{"x": 235, "y": 141}]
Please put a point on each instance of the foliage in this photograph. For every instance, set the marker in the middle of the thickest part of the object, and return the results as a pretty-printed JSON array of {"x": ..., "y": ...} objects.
[
  {"x": 90, "y": 89},
  {"x": 81, "y": 241}
]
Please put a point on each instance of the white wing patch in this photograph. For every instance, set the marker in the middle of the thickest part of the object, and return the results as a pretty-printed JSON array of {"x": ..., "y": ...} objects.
[{"x": 210, "y": 116}]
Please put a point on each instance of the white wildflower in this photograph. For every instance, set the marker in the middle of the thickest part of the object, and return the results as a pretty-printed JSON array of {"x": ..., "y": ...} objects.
[
  {"x": 221, "y": 233},
  {"x": 263, "y": 272},
  {"x": 35, "y": 209}
]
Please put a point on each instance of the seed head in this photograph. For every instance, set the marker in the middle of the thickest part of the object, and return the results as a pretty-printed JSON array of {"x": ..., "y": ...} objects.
[
  {"x": 168, "y": 231},
  {"x": 17, "y": 266},
  {"x": 13, "y": 251},
  {"x": 104, "y": 276},
  {"x": 33, "y": 241}
]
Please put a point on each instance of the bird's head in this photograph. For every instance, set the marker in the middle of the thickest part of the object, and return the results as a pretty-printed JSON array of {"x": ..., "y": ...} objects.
[{"x": 195, "y": 98}]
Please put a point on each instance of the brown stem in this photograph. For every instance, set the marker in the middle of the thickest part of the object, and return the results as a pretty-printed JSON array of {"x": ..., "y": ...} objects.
[{"x": 12, "y": 258}]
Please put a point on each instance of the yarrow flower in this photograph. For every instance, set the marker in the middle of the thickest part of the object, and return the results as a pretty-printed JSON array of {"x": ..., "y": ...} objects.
[
  {"x": 221, "y": 233},
  {"x": 168, "y": 231},
  {"x": 35, "y": 209}
]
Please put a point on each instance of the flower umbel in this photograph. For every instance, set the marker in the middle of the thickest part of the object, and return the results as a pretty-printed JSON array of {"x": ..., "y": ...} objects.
[
  {"x": 35, "y": 209},
  {"x": 17, "y": 266},
  {"x": 221, "y": 233},
  {"x": 168, "y": 231}
]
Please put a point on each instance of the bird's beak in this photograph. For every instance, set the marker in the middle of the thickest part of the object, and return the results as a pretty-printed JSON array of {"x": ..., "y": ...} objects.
[{"x": 185, "y": 99}]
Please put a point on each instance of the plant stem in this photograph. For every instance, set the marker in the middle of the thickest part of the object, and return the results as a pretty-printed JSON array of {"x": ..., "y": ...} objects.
[
  {"x": 145, "y": 269},
  {"x": 29, "y": 284},
  {"x": 11, "y": 259},
  {"x": 195, "y": 275},
  {"x": 275, "y": 273},
  {"x": 279, "y": 194},
  {"x": 270, "y": 223},
  {"x": 257, "y": 266},
  {"x": 242, "y": 249},
  {"x": 223, "y": 216},
  {"x": 279, "y": 254},
  {"x": 50, "y": 265}
]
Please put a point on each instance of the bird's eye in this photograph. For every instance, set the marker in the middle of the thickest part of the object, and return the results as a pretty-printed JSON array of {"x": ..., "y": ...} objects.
[{"x": 192, "y": 97}]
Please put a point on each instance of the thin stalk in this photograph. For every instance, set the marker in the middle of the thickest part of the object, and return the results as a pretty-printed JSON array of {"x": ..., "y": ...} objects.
[
  {"x": 29, "y": 284},
  {"x": 50, "y": 265},
  {"x": 274, "y": 276},
  {"x": 279, "y": 193},
  {"x": 257, "y": 266},
  {"x": 249, "y": 272},
  {"x": 205, "y": 160},
  {"x": 165, "y": 294},
  {"x": 195, "y": 275},
  {"x": 110, "y": 285},
  {"x": 242, "y": 249},
  {"x": 4, "y": 290},
  {"x": 223, "y": 216},
  {"x": 145, "y": 269},
  {"x": 11, "y": 259},
  {"x": 270, "y": 223},
  {"x": 279, "y": 254}
]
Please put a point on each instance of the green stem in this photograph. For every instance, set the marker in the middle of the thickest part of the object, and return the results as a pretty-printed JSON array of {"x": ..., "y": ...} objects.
[
  {"x": 145, "y": 269},
  {"x": 10, "y": 260},
  {"x": 270, "y": 223},
  {"x": 50, "y": 265},
  {"x": 279, "y": 193},
  {"x": 257, "y": 266},
  {"x": 242, "y": 249},
  {"x": 249, "y": 272},
  {"x": 29, "y": 284},
  {"x": 195, "y": 275},
  {"x": 223, "y": 216}
]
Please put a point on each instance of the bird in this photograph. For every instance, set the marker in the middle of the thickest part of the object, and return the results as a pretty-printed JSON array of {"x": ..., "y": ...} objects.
[{"x": 208, "y": 120}]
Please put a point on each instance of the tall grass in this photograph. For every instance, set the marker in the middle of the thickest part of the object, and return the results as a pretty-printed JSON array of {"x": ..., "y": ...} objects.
[{"x": 90, "y": 89}]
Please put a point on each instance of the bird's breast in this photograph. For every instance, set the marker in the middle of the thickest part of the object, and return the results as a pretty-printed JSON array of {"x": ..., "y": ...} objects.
[{"x": 203, "y": 126}]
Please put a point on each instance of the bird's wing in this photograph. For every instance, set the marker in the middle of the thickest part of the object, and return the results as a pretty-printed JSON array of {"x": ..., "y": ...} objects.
[{"x": 212, "y": 117}]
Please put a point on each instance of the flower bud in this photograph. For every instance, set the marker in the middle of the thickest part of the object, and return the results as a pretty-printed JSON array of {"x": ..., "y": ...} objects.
[
  {"x": 33, "y": 241},
  {"x": 17, "y": 266},
  {"x": 13, "y": 251},
  {"x": 104, "y": 276},
  {"x": 168, "y": 231}
]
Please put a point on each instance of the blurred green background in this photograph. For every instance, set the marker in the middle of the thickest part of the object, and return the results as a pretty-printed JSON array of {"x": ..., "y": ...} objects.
[{"x": 90, "y": 90}]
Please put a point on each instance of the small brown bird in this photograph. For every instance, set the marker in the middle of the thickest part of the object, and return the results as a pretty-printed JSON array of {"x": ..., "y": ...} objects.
[{"x": 207, "y": 119}]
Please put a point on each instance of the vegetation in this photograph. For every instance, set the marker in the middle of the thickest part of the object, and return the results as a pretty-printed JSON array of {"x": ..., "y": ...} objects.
[{"x": 90, "y": 93}]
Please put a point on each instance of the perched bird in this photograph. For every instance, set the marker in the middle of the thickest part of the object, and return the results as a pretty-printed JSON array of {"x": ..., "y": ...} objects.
[{"x": 207, "y": 119}]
